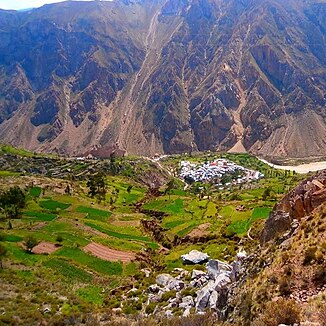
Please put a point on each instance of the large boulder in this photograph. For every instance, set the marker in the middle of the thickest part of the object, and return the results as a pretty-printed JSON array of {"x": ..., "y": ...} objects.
[
  {"x": 195, "y": 257},
  {"x": 216, "y": 267}
]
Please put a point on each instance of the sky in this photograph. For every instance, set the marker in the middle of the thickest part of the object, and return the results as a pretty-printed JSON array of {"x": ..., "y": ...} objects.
[{"x": 24, "y": 4}]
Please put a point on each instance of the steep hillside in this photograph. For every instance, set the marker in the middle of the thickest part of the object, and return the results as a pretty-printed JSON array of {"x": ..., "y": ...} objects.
[
  {"x": 166, "y": 76},
  {"x": 285, "y": 281}
]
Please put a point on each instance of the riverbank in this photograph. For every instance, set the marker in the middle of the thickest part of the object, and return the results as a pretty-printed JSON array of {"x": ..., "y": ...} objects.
[{"x": 301, "y": 168}]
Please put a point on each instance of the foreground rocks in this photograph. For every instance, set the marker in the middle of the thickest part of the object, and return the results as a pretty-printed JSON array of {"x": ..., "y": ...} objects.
[{"x": 198, "y": 291}]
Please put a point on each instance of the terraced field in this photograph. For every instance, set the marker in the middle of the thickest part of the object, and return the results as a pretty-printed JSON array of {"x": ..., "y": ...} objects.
[{"x": 86, "y": 247}]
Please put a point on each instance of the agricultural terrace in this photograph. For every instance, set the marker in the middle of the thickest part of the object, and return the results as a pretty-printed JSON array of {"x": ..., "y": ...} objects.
[{"x": 82, "y": 247}]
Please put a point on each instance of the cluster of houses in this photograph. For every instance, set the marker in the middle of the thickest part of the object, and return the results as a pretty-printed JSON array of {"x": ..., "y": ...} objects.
[{"x": 221, "y": 172}]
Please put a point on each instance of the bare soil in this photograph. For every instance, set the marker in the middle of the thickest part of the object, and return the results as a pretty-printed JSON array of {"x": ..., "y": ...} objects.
[
  {"x": 109, "y": 254},
  {"x": 45, "y": 248}
]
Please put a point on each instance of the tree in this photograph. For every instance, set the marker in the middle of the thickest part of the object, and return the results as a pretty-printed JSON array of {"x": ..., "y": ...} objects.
[
  {"x": 3, "y": 252},
  {"x": 97, "y": 186},
  {"x": 30, "y": 243},
  {"x": 12, "y": 202}
]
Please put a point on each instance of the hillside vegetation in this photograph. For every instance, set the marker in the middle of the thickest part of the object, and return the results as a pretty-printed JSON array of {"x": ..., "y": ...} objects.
[{"x": 69, "y": 253}]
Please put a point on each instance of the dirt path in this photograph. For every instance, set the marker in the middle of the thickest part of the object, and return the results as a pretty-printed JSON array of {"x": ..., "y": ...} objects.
[{"x": 109, "y": 254}]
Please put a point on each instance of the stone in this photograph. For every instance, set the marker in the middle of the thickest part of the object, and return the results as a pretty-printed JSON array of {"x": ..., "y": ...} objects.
[
  {"x": 202, "y": 299},
  {"x": 241, "y": 255},
  {"x": 146, "y": 271},
  {"x": 168, "y": 313},
  {"x": 164, "y": 279},
  {"x": 195, "y": 257},
  {"x": 221, "y": 282},
  {"x": 186, "y": 313},
  {"x": 213, "y": 300},
  {"x": 175, "y": 284},
  {"x": 215, "y": 267},
  {"x": 154, "y": 288},
  {"x": 197, "y": 274},
  {"x": 187, "y": 302}
]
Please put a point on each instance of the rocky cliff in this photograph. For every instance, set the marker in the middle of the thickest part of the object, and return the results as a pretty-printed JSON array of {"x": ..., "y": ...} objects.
[
  {"x": 165, "y": 76},
  {"x": 301, "y": 202}
]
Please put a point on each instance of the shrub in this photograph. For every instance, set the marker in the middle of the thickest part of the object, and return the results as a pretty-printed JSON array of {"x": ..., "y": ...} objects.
[
  {"x": 284, "y": 286},
  {"x": 168, "y": 295},
  {"x": 319, "y": 277},
  {"x": 280, "y": 312},
  {"x": 150, "y": 308},
  {"x": 309, "y": 255}
]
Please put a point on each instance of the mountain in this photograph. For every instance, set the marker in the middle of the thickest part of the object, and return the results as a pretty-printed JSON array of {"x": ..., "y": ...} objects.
[{"x": 166, "y": 76}]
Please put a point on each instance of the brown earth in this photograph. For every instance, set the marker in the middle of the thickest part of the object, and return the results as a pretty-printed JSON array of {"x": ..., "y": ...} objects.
[
  {"x": 45, "y": 248},
  {"x": 109, "y": 254}
]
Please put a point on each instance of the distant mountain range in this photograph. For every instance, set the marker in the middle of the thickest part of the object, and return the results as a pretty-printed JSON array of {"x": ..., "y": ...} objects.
[{"x": 166, "y": 76}]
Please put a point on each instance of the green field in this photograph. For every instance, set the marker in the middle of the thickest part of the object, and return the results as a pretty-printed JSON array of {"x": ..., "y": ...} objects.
[
  {"x": 93, "y": 263},
  {"x": 53, "y": 205}
]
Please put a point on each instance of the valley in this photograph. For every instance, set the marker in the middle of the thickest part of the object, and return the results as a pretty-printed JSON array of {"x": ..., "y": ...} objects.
[{"x": 94, "y": 254}]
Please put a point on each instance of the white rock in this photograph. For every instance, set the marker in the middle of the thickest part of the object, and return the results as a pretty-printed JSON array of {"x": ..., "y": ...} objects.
[
  {"x": 164, "y": 279},
  {"x": 197, "y": 274},
  {"x": 195, "y": 257},
  {"x": 187, "y": 302}
]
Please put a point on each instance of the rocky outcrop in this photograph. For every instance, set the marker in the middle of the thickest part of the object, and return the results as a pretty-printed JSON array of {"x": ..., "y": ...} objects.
[
  {"x": 211, "y": 287},
  {"x": 300, "y": 202}
]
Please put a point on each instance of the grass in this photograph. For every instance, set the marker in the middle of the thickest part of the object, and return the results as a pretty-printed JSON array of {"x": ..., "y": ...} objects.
[
  {"x": 173, "y": 224},
  {"x": 8, "y": 174},
  {"x": 69, "y": 271},
  {"x": 95, "y": 264},
  {"x": 94, "y": 213},
  {"x": 116, "y": 234},
  {"x": 260, "y": 212},
  {"x": 35, "y": 192},
  {"x": 53, "y": 205},
  {"x": 39, "y": 216},
  {"x": 91, "y": 294},
  {"x": 12, "y": 238}
]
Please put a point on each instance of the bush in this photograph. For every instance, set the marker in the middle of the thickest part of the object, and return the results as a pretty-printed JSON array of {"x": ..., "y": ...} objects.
[
  {"x": 319, "y": 277},
  {"x": 168, "y": 295},
  {"x": 285, "y": 286},
  {"x": 309, "y": 255},
  {"x": 150, "y": 308},
  {"x": 280, "y": 312}
]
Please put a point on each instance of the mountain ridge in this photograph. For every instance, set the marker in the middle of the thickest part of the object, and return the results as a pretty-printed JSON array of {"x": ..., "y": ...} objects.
[{"x": 165, "y": 77}]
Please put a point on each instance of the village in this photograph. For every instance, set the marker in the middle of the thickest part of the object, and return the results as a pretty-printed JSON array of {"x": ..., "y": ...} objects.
[{"x": 221, "y": 172}]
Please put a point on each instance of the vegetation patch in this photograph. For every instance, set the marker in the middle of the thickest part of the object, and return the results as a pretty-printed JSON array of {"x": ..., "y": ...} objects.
[
  {"x": 116, "y": 234},
  {"x": 53, "y": 205},
  {"x": 35, "y": 191},
  {"x": 94, "y": 213},
  {"x": 91, "y": 294},
  {"x": 96, "y": 264},
  {"x": 39, "y": 216},
  {"x": 69, "y": 271}
]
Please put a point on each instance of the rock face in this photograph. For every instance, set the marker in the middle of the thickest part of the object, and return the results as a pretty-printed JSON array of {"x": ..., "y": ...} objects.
[
  {"x": 300, "y": 202},
  {"x": 139, "y": 75}
]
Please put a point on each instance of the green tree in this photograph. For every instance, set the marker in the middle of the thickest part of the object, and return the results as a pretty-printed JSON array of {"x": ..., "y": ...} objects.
[
  {"x": 12, "y": 202},
  {"x": 97, "y": 187},
  {"x": 3, "y": 252},
  {"x": 30, "y": 242}
]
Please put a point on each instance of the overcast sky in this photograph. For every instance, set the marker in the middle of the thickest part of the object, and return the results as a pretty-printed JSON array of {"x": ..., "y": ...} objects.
[{"x": 24, "y": 4}]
